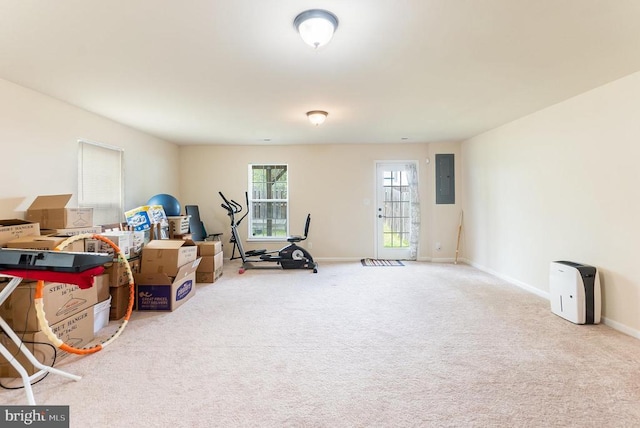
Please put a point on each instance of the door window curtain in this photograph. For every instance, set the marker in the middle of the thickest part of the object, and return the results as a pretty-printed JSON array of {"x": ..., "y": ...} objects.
[{"x": 412, "y": 177}]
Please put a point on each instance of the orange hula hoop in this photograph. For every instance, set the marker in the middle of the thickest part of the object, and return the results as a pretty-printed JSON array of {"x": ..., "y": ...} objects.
[{"x": 42, "y": 317}]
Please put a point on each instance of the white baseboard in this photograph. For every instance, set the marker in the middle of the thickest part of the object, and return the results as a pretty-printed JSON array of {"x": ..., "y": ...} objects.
[
  {"x": 621, "y": 327},
  {"x": 523, "y": 285},
  {"x": 337, "y": 259},
  {"x": 442, "y": 260},
  {"x": 352, "y": 259}
]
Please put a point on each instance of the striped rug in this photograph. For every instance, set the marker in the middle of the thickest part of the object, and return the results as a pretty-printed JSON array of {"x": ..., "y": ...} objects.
[{"x": 380, "y": 262}]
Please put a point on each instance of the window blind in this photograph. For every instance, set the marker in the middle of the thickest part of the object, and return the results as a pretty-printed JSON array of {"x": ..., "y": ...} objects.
[{"x": 100, "y": 181}]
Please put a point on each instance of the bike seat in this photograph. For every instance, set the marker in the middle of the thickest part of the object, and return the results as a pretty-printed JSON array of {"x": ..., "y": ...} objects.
[{"x": 298, "y": 238}]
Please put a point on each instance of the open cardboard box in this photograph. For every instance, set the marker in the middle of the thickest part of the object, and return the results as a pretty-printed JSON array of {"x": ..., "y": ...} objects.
[
  {"x": 167, "y": 255},
  {"x": 160, "y": 292},
  {"x": 50, "y": 212}
]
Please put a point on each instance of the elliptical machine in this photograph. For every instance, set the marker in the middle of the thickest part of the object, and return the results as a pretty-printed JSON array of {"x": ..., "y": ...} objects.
[{"x": 290, "y": 257}]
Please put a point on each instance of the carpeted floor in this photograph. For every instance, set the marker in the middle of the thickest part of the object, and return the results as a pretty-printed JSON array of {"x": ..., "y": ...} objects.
[{"x": 428, "y": 345}]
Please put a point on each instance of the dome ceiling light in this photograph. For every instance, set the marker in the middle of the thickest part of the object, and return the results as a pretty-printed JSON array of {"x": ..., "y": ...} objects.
[
  {"x": 317, "y": 117},
  {"x": 316, "y": 26}
]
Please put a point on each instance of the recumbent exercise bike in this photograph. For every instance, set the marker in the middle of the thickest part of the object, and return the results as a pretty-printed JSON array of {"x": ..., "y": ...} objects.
[{"x": 290, "y": 257}]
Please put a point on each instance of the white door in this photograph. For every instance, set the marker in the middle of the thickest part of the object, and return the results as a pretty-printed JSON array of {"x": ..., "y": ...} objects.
[{"x": 393, "y": 211}]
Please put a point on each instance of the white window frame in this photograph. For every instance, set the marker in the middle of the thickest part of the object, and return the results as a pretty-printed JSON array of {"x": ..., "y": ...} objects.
[
  {"x": 101, "y": 181},
  {"x": 253, "y": 199}
]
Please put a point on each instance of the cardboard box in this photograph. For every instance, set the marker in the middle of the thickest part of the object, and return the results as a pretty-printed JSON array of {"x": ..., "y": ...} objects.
[
  {"x": 159, "y": 292},
  {"x": 139, "y": 238},
  {"x": 51, "y": 213},
  {"x": 46, "y": 243},
  {"x": 72, "y": 231},
  {"x": 209, "y": 276},
  {"x": 205, "y": 277},
  {"x": 119, "y": 301},
  {"x": 218, "y": 259},
  {"x": 209, "y": 248},
  {"x": 121, "y": 239},
  {"x": 118, "y": 274},
  {"x": 13, "y": 228},
  {"x": 60, "y": 301},
  {"x": 211, "y": 263},
  {"x": 167, "y": 256},
  {"x": 102, "y": 286},
  {"x": 36, "y": 242},
  {"x": 210, "y": 268},
  {"x": 75, "y": 330},
  {"x": 119, "y": 287}
]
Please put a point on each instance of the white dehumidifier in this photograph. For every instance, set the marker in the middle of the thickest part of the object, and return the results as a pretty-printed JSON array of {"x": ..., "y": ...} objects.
[{"x": 574, "y": 291}]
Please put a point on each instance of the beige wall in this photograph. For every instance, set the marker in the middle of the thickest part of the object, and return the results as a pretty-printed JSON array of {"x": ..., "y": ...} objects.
[
  {"x": 561, "y": 184},
  {"x": 39, "y": 140},
  {"x": 335, "y": 183},
  {"x": 558, "y": 184}
]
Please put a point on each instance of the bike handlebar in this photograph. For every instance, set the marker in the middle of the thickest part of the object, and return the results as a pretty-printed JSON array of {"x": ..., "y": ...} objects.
[
  {"x": 237, "y": 207},
  {"x": 230, "y": 205},
  {"x": 234, "y": 208}
]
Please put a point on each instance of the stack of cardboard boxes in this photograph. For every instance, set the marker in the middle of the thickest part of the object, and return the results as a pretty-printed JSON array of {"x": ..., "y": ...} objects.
[
  {"x": 70, "y": 312},
  {"x": 210, "y": 268},
  {"x": 57, "y": 223},
  {"x": 130, "y": 244},
  {"x": 167, "y": 277},
  {"x": 165, "y": 273},
  {"x": 74, "y": 314}
]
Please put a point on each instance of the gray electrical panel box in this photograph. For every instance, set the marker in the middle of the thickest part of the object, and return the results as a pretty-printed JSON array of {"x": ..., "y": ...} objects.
[{"x": 445, "y": 179}]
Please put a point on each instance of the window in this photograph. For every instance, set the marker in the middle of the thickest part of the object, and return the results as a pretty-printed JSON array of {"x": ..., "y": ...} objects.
[
  {"x": 100, "y": 181},
  {"x": 397, "y": 209},
  {"x": 268, "y": 202}
]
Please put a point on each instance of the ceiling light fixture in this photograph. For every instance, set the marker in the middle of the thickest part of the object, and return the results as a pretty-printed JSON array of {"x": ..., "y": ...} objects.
[
  {"x": 317, "y": 117},
  {"x": 316, "y": 26}
]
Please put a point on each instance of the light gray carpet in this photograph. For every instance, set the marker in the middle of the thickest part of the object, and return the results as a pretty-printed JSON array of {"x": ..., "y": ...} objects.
[{"x": 424, "y": 345}]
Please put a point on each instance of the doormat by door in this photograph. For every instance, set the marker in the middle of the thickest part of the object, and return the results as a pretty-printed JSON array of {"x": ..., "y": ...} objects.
[{"x": 380, "y": 262}]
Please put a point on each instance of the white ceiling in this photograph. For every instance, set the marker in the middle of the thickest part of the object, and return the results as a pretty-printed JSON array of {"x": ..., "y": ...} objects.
[{"x": 236, "y": 71}]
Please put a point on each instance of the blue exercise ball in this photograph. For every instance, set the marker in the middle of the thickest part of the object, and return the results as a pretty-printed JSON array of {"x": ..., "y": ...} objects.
[{"x": 170, "y": 204}]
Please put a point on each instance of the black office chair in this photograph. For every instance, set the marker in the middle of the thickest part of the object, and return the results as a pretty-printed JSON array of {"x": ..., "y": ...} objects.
[{"x": 196, "y": 226}]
